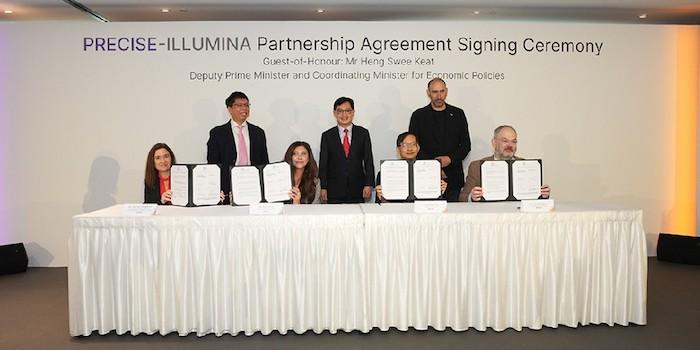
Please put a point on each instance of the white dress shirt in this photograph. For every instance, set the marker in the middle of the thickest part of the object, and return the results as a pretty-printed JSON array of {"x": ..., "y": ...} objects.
[{"x": 341, "y": 132}]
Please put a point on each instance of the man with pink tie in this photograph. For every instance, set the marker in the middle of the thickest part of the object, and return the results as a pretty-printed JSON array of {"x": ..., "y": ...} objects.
[{"x": 236, "y": 142}]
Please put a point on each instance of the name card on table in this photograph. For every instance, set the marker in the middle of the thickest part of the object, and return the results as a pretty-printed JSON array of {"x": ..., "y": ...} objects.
[
  {"x": 266, "y": 208},
  {"x": 429, "y": 207},
  {"x": 536, "y": 205},
  {"x": 140, "y": 209}
]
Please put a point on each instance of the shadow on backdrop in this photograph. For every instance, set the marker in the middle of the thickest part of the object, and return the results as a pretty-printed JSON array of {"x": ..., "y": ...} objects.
[
  {"x": 388, "y": 119},
  {"x": 102, "y": 184},
  {"x": 206, "y": 114}
]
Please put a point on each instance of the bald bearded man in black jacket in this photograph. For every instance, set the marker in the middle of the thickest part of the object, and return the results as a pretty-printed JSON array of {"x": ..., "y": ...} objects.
[{"x": 443, "y": 134}]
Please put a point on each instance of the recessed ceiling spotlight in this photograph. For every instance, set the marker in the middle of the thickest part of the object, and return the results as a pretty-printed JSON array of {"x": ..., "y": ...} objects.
[
  {"x": 643, "y": 16},
  {"x": 8, "y": 12},
  {"x": 320, "y": 10},
  {"x": 164, "y": 10},
  {"x": 476, "y": 12}
]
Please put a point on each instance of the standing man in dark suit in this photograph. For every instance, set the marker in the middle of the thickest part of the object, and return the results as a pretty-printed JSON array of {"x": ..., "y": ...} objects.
[
  {"x": 236, "y": 142},
  {"x": 346, "y": 167},
  {"x": 443, "y": 134}
]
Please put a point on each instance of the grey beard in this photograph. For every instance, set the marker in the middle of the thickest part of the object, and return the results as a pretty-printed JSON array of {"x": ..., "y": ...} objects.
[{"x": 502, "y": 157}]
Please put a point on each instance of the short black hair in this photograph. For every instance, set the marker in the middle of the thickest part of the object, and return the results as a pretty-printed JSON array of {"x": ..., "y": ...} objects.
[
  {"x": 234, "y": 96},
  {"x": 402, "y": 136},
  {"x": 342, "y": 100}
]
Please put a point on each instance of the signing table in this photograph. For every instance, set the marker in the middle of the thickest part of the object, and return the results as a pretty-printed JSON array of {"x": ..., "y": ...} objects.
[{"x": 355, "y": 267}]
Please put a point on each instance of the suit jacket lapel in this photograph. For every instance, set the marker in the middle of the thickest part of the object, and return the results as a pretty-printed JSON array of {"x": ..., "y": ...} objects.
[
  {"x": 338, "y": 142},
  {"x": 251, "y": 142},
  {"x": 229, "y": 137},
  {"x": 356, "y": 139},
  {"x": 229, "y": 141}
]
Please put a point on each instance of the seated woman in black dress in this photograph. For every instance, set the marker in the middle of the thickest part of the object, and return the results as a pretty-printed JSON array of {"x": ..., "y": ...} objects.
[
  {"x": 306, "y": 188},
  {"x": 407, "y": 148},
  {"x": 157, "y": 179}
]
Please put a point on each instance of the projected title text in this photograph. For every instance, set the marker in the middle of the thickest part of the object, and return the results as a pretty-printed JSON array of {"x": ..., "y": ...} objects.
[{"x": 464, "y": 44}]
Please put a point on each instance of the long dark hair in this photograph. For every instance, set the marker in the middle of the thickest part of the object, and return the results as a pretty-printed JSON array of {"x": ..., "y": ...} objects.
[
  {"x": 307, "y": 185},
  {"x": 151, "y": 177}
]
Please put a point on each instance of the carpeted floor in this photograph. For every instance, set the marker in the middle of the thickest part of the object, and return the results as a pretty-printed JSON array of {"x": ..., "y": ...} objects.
[{"x": 34, "y": 315}]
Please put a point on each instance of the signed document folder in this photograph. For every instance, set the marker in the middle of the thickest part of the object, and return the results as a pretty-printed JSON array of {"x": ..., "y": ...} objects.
[
  {"x": 195, "y": 185},
  {"x": 410, "y": 179},
  {"x": 260, "y": 184},
  {"x": 511, "y": 180}
]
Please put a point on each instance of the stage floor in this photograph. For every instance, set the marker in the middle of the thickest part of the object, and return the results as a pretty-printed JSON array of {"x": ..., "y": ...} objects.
[{"x": 35, "y": 316}]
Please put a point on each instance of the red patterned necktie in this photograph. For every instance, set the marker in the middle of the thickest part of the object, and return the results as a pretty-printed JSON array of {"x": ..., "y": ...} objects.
[{"x": 346, "y": 143}]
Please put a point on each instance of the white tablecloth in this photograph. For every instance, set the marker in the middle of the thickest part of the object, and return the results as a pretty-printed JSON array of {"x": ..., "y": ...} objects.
[
  {"x": 355, "y": 267},
  {"x": 486, "y": 265}
]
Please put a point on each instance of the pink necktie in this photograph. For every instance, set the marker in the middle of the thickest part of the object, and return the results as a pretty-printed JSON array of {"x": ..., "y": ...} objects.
[{"x": 242, "y": 148}]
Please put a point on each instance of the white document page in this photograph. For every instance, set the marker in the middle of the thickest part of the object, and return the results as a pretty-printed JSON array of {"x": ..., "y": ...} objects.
[
  {"x": 245, "y": 185},
  {"x": 277, "y": 179},
  {"x": 206, "y": 184},
  {"x": 179, "y": 185},
  {"x": 394, "y": 179},
  {"x": 494, "y": 180},
  {"x": 527, "y": 179},
  {"x": 426, "y": 179}
]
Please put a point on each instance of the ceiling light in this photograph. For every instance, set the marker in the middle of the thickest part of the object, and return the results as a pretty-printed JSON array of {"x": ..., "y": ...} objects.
[
  {"x": 476, "y": 12},
  {"x": 9, "y": 12},
  {"x": 164, "y": 10},
  {"x": 643, "y": 16},
  {"x": 320, "y": 11}
]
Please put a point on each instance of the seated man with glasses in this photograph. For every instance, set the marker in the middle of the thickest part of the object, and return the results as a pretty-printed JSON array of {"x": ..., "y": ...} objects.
[
  {"x": 236, "y": 142},
  {"x": 407, "y": 148},
  {"x": 346, "y": 166}
]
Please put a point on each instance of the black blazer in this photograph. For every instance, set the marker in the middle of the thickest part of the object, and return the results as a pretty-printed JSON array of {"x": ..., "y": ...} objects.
[
  {"x": 342, "y": 177},
  {"x": 151, "y": 194},
  {"x": 222, "y": 150},
  {"x": 451, "y": 139}
]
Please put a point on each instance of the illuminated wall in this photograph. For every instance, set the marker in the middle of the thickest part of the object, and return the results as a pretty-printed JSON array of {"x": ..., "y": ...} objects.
[
  {"x": 683, "y": 216},
  {"x": 5, "y": 132}
]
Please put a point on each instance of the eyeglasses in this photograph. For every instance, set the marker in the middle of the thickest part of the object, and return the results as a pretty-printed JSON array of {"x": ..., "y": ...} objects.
[
  {"x": 344, "y": 111},
  {"x": 409, "y": 145},
  {"x": 242, "y": 105}
]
